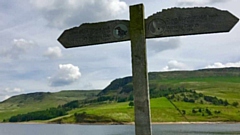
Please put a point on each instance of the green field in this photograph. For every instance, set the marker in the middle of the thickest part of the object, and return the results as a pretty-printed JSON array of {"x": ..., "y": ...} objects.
[
  {"x": 112, "y": 103},
  {"x": 161, "y": 111},
  {"x": 221, "y": 87},
  {"x": 39, "y": 101}
]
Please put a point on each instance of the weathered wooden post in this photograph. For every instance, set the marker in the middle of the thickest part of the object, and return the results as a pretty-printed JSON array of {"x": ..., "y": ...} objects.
[
  {"x": 170, "y": 22},
  {"x": 139, "y": 71}
]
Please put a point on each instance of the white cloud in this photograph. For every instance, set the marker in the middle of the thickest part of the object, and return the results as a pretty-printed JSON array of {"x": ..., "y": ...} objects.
[
  {"x": 13, "y": 90},
  {"x": 199, "y": 2},
  {"x": 6, "y": 93},
  {"x": 221, "y": 65},
  {"x": 66, "y": 75},
  {"x": 22, "y": 45},
  {"x": 175, "y": 65},
  {"x": 18, "y": 48},
  {"x": 53, "y": 52},
  {"x": 68, "y": 13}
]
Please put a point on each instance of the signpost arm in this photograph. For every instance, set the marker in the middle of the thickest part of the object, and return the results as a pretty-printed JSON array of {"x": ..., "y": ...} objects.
[{"x": 139, "y": 71}]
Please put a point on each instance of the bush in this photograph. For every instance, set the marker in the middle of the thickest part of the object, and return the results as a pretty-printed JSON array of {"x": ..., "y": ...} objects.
[
  {"x": 131, "y": 104},
  {"x": 194, "y": 111},
  {"x": 217, "y": 112},
  {"x": 235, "y": 104},
  {"x": 183, "y": 112},
  {"x": 208, "y": 111}
]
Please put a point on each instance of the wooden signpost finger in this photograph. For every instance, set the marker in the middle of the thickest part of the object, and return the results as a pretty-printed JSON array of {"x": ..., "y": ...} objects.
[
  {"x": 189, "y": 21},
  {"x": 95, "y": 33}
]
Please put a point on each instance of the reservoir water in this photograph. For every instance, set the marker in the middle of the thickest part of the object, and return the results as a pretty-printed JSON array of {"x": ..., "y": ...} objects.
[{"x": 161, "y": 129}]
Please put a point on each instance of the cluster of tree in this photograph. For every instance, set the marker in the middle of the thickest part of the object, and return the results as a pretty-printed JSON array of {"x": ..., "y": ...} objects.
[
  {"x": 205, "y": 111},
  {"x": 177, "y": 94},
  {"x": 186, "y": 96},
  {"x": 192, "y": 96},
  {"x": 115, "y": 98},
  {"x": 45, "y": 114},
  {"x": 39, "y": 115},
  {"x": 216, "y": 101},
  {"x": 185, "y": 99},
  {"x": 165, "y": 92}
]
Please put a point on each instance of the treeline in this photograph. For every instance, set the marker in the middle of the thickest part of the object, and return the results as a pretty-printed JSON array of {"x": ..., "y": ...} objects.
[
  {"x": 176, "y": 94},
  {"x": 45, "y": 114},
  {"x": 193, "y": 97},
  {"x": 39, "y": 115},
  {"x": 165, "y": 92},
  {"x": 114, "y": 98},
  {"x": 216, "y": 101},
  {"x": 127, "y": 95}
]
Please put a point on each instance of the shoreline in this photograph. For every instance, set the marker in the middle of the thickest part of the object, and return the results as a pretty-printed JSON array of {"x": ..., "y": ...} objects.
[
  {"x": 165, "y": 123},
  {"x": 171, "y": 123},
  {"x": 124, "y": 123}
]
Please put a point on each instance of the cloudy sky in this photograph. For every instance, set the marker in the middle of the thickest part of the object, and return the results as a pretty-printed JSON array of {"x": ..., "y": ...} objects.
[{"x": 32, "y": 60}]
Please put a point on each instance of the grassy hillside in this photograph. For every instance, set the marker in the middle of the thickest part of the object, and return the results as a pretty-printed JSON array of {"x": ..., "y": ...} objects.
[
  {"x": 201, "y": 95},
  {"x": 223, "y": 83},
  {"x": 41, "y": 100},
  {"x": 161, "y": 111}
]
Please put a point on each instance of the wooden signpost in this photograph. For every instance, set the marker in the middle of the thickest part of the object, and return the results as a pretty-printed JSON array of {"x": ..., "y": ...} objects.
[{"x": 170, "y": 22}]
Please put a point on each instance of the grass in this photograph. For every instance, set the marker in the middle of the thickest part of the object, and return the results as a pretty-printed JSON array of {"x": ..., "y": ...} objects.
[
  {"x": 224, "y": 85},
  {"x": 228, "y": 113},
  {"x": 161, "y": 111},
  {"x": 34, "y": 102}
]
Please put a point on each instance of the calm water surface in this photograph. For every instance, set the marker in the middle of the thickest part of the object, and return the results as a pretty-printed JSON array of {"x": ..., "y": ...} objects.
[{"x": 173, "y": 129}]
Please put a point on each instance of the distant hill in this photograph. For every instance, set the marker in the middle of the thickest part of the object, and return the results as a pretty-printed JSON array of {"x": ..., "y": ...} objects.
[
  {"x": 221, "y": 85},
  {"x": 199, "y": 80},
  {"x": 41, "y": 100},
  {"x": 206, "y": 95},
  {"x": 58, "y": 97}
]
